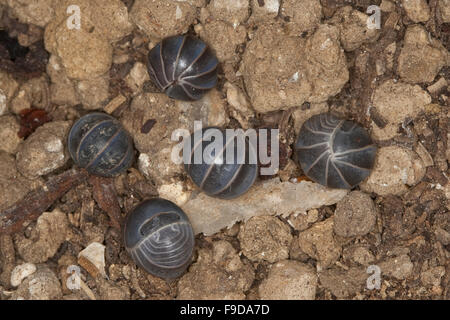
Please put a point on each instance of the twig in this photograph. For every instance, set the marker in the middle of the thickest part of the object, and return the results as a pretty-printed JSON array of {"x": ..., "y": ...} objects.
[
  {"x": 284, "y": 121},
  {"x": 87, "y": 290},
  {"x": 39, "y": 200},
  {"x": 135, "y": 283},
  {"x": 370, "y": 78},
  {"x": 106, "y": 197}
]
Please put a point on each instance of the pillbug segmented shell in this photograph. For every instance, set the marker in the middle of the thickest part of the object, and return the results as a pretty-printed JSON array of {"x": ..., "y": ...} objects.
[
  {"x": 99, "y": 143},
  {"x": 183, "y": 67},
  {"x": 222, "y": 179},
  {"x": 159, "y": 238},
  {"x": 335, "y": 152}
]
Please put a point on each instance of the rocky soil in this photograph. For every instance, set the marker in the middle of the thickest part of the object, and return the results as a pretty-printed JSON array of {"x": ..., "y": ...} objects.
[{"x": 280, "y": 63}]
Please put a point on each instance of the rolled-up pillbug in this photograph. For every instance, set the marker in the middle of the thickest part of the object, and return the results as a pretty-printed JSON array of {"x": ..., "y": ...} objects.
[
  {"x": 159, "y": 238},
  {"x": 183, "y": 67},
  {"x": 212, "y": 173},
  {"x": 335, "y": 152},
  {"x": 99, "y": 143}
]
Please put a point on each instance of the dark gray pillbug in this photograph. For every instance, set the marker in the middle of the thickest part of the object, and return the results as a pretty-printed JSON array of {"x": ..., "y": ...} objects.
[
  {"x": 183, "y": 67},
  {"x": 99, "y": 143},
  {"x": 222, "y": 179},
  {"x": 159, "y": 238},
  {"x": 335, "y": 152}
]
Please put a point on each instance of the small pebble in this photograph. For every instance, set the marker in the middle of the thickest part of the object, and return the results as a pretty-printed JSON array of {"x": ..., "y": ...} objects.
[
  {"x": 355, "y": 215},
  {"x": 92, "y": 259},
  {"x": 21, "y": 272}
]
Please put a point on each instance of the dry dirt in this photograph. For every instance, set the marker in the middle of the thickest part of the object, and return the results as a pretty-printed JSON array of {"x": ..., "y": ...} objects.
[{"x": 281, "y": 62}]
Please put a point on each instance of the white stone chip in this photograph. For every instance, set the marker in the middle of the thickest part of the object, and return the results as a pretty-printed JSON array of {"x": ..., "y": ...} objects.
[
  {"x": 21, "y": 272},
  {"x": 209, "y": 215},
  {"x": 95, "y": 254}
]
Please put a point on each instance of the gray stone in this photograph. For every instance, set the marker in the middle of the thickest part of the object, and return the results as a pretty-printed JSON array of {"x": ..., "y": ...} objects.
[{"x": 272, "y": 197}]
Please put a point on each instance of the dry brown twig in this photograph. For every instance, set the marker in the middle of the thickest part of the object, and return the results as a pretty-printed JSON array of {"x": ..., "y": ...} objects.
[
  {"x": 39, "y": 200},
  {"x": 105, "y": 195}
]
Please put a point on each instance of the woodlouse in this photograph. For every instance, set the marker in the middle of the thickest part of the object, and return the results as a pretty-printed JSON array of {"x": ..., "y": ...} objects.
[
  {"x": 335, "y": 152},
  {"x": 222, "y": 179},
  {"x": 99, "y": 143},
  {"x": 159, "y": 238},
  {"x": 183, "y": 67}
]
